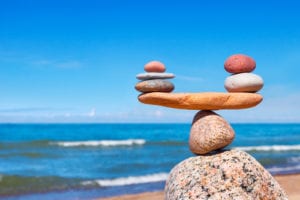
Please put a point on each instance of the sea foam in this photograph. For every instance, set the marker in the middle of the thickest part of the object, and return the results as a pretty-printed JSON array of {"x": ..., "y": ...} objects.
[
  {"x": 271, "y": 148},
  {"x": 282, "y": 170},
  {"x": 105, "y": 143},
  {"x": 128, "y": 180}
]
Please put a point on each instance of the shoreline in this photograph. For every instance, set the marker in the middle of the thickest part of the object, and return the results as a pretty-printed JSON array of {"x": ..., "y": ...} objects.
[{"x": 289, "y": 182}]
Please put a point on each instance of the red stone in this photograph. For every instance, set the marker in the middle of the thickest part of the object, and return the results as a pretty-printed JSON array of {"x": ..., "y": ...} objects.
[
  {"x": 155, "y": 66},
  {"x": 239, "y": 63}
]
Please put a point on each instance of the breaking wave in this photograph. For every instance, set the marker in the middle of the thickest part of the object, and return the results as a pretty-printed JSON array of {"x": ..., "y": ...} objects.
[
  {"x": 104, "y": 143},
  {"x": 128, "y": 180},
  {"x": 271, "y": 148},
  {"x": 284, "y": 170}
]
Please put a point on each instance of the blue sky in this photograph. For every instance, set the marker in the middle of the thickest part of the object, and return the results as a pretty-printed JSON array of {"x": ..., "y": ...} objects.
[{"x": 76, "y": 61}]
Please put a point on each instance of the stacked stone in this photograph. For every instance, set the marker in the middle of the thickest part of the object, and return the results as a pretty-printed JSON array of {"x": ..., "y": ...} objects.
[
  {"x": 210, "y": 131},
  {"x": 216, "y": 173},
  {"x": 154, "y": 80},
  {"x": 242, "y": 80}
]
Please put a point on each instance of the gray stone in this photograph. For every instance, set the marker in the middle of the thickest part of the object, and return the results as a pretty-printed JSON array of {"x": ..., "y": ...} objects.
[
  {"x": 156, "y": 85},
  {"x": 154, "y": 75},
  {"x": 209, "y": 132},
  {"x": 230, "y": 174},
  {"x": 244, "y": 82}
]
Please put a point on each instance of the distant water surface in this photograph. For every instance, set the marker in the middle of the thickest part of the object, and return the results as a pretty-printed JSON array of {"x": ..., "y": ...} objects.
[{"x": 71, "y": 161}]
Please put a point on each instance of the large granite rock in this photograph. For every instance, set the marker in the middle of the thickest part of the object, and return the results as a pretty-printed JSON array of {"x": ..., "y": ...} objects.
[{"x": 230, "y": 174}]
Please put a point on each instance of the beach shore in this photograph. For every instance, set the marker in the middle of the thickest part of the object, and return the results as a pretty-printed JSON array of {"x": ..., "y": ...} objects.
[{"x": 290, "y": 183}]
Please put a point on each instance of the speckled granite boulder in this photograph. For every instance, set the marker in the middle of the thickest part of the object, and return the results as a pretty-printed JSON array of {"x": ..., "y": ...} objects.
[
  {"x": 230, "y": 174},
  {"x": 209, "y": 132}
]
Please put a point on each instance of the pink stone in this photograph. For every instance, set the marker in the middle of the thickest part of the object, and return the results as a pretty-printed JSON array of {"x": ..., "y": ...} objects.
[
  {"x": 209, "y": 132},
  {"x": 155, "y": 66},
  {"x": 239, "y": 63},
  {"x": 230, "y": 174}
]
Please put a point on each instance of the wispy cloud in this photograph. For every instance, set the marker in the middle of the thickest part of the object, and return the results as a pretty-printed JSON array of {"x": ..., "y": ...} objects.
[
  {"x": 67, "y": 64},
  {"x": 42, "y": 62},
  {"x": 143, "y": 114},
  {"x": 280, "y": 108},
  {"x": 30, "y": 109},
  {"x": 274, "y": 108},
  {"x": 189, "y": 78},
  {"x": 92, "y": 113},
  {"x": 39, "y": 61}
]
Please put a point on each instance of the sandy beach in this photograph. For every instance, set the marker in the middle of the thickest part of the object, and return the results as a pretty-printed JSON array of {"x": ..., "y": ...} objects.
[{"x": 290, "y": 183}]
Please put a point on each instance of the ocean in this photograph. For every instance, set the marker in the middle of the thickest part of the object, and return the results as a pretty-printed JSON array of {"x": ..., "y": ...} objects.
[{"x": 87, "y": 161}]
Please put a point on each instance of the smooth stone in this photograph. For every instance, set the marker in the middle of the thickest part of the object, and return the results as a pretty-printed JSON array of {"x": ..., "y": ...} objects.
[
  {"x": 230, "y": 174},
  {"x": 244, "y": 82},
  {"x": 209, "y": 132},
  {"x": 202, "y": 101},
  {"x": 239, "y": 63},
  {"x": 156, "y": 85},
  {"x": 154, "y": 75},
  {"x": 155, "y": 66}
]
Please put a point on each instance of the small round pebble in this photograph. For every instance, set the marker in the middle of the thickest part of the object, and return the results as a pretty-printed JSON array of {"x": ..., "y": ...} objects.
[
  {"x": 244, "y": 82},
  {"x": 155, "y": 66},
  {"x": 156, "y": 85},
  {"x": 239, "y": 63}
]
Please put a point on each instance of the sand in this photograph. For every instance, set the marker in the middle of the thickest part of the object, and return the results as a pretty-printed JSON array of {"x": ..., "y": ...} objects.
[{"x": 290, "y": 183}]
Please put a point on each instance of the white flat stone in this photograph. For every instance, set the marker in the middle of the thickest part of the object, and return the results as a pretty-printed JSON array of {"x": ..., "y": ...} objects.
[
  {"x": 243, "y": 82},
  {"x": 154, "y": 75}
]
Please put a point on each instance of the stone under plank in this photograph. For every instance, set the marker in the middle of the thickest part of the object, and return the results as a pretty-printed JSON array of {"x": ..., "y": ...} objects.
[
  {"x": 202, "y": 101},
  {"x": 209, "y": 132}
]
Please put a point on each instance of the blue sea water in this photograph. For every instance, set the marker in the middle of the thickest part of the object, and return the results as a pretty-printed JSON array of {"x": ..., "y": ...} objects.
[{"x": 85, "y": 161}]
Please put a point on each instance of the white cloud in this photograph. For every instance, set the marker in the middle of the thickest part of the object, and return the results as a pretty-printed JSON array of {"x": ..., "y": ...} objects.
[
  {"x": 158, "y": 113},
  {"x": 92, "y": 113}
]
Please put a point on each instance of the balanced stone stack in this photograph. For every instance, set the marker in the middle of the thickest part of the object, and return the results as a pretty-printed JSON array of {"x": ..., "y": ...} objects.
[
  {"x": 242, "y": 79},
  {"x": 216, "y": 173},
  {"x": 210, "y": 131},
  {"x": 154, "y": 80}
]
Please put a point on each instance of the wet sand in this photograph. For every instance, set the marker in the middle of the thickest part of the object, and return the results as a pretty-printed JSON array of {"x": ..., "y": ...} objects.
[{"x": 290, "y": 183}]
